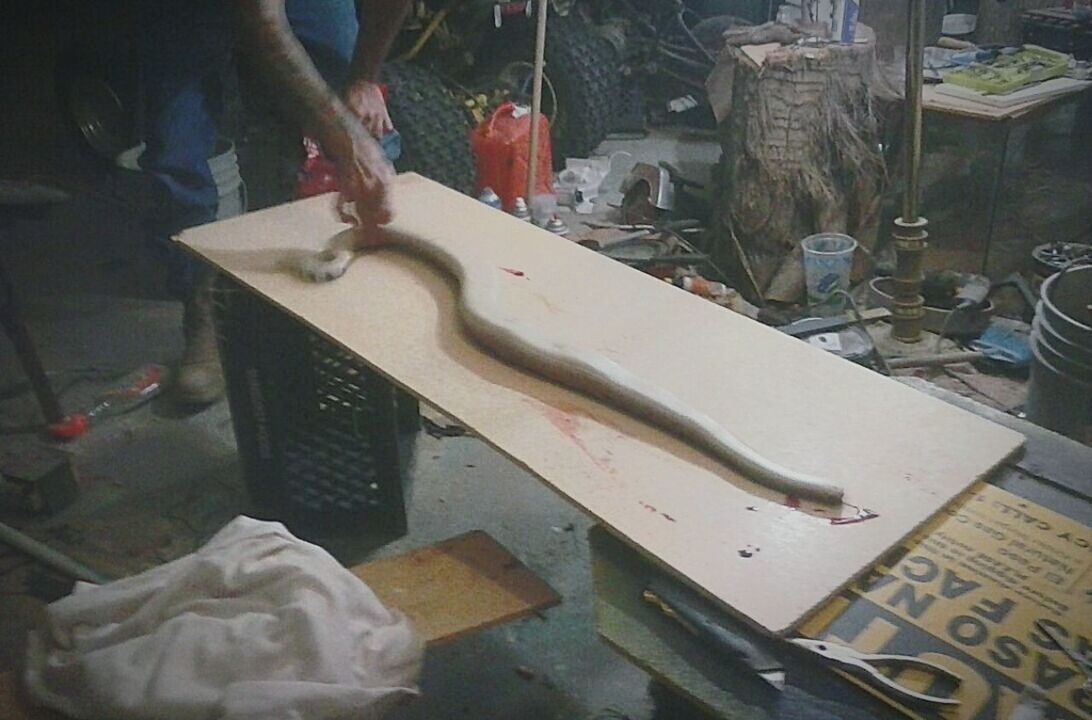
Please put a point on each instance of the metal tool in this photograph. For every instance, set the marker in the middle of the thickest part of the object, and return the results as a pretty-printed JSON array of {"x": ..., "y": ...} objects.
[
  {"x": 865, "y": 664},
  {"x": 677, "y": 605},
  {"x": 810, "y": 326},
  {"x": 1084, "y": 664}
]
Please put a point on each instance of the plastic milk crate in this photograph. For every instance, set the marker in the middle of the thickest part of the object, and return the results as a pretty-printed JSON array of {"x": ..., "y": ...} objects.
[{"x": 318, "y": 431}]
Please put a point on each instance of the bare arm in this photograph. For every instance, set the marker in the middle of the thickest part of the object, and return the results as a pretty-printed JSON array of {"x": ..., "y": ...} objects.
[
  {"x": 382, "y": 21},
  {"x": 270, "y": 44}
]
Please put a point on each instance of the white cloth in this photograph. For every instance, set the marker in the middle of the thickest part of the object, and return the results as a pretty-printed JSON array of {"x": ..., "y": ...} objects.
[{"x": 256, "y": 625}]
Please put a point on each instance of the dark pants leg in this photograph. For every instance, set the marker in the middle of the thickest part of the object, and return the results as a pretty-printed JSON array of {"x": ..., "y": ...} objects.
[{"x": 184, "y": 45}]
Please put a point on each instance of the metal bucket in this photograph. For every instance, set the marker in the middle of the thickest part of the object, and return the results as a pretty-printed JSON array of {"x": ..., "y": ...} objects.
[{"x": 1060, "y": 391}]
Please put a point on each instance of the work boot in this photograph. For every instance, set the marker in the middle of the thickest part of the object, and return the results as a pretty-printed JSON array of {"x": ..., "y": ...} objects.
[{"x": 200, "y": 380}]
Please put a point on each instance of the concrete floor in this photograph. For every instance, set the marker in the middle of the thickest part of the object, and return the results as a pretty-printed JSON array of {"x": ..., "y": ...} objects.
[{"x": 157, "y": 482}]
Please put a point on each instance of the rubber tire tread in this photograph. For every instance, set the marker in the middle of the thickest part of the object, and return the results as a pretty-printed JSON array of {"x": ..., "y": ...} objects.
[
  {"x": 584, "y": 68},
  {"x": 435, "y": 130}
]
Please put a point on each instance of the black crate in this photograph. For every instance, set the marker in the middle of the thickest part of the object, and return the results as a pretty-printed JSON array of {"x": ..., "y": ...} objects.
[
  {"x": 318, "y": 431},
  {"x": 1057, "y": 29}
]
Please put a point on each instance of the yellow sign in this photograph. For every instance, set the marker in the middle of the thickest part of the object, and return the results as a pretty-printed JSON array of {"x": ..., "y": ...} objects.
[{"x": 967, "y": 591}]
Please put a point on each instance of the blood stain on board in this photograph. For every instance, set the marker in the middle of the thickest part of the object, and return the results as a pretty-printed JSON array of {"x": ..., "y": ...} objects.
[
  {"x": 569, "y": 425},
  {"x": 668, "y": 517},
  {"x": 791, "y": 501},
  {"x": 512, "y": 271}
]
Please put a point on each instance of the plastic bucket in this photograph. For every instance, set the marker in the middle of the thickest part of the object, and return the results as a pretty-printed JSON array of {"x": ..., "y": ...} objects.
[
  {"x": 224, "y": 166},
  {"x": 828, "y": 261},
  {"x": 1060, "y": 389}
]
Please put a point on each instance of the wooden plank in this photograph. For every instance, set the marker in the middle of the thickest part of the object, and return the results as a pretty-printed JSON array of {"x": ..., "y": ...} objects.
[
  {"x": 447, "y": 590},
  {"x": 457, "y": 587},
  {"x": 1028, "y": 96},
  {"x": 904, "y": 458},
  {"x": 942, "y": 101}
]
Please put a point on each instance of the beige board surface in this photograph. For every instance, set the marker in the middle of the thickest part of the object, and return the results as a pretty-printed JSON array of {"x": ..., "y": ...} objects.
[{"x": 897, "y": 452}]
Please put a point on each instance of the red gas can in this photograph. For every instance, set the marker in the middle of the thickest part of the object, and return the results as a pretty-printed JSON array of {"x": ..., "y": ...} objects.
[{"x": 502, "y": 149}]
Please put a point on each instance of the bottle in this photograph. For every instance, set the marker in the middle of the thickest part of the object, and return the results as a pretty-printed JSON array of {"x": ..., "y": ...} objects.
[{"x": 131, "y": 391}]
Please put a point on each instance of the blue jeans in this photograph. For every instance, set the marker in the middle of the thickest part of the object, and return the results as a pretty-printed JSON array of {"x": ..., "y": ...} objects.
[{"x": 183, "y": 46}]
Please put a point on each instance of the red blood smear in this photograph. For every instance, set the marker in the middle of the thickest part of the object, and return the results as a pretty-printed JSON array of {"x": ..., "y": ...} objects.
[
  {"x": 517, "y": 273},
  {"x": 569, "y": 425},
  {"x": 792, "y": 501}
]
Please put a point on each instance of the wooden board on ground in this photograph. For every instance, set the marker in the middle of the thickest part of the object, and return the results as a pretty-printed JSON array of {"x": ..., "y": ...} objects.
[
  {"x": 458, "y": 586},
  {"x": 447, "y": 590},
  {"x": 903, "y": 456}
]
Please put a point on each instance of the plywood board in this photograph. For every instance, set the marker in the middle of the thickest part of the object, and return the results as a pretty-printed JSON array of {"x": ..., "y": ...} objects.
[
  {"x": 953, "y": 100},
  {"x": 897, "y": 452},
  {"x": 1039, "y": 91},
  {"x": 458, "y": 586}
]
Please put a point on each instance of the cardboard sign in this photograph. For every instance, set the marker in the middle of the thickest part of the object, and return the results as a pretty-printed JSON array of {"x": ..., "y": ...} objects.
[{"x": 966, "y": 593}]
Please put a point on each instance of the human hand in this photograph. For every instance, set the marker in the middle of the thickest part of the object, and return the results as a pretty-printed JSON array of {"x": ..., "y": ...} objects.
[
  {"x": 365, "y": 99},
  {"x": 365, "y": 176}
]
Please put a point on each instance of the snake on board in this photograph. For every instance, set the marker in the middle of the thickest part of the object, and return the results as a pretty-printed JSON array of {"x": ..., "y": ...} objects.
[{"x": 585, "y": 371}]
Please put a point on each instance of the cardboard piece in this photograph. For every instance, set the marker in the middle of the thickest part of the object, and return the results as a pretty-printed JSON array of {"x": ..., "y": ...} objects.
[{"x": 903, "y": 456}]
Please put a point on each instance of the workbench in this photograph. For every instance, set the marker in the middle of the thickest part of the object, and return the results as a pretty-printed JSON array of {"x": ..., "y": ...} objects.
[{"x": 1054, "y": 472}]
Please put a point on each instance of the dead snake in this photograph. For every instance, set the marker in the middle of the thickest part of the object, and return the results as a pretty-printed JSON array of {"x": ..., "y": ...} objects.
[{"x": 582, "y": 370}]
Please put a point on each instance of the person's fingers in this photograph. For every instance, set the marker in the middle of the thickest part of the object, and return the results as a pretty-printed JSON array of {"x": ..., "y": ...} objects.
[
  {"x": 375, "y": 125},
  {"x": 388, "y": 126},
  {"x": 372, "y": 199}
]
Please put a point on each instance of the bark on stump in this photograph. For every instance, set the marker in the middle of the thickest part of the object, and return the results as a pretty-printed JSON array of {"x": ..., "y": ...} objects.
[{"x": 800, "y": 137}]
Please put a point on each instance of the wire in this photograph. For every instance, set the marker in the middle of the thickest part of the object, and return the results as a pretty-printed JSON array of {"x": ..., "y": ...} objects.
[{"x": 859, "y": 321}]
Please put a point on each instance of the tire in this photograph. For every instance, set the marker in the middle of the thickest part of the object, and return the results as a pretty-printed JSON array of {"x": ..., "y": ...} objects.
[
  {"x": 582, "y": 66},
  {"x": 96, "y": 95},
  {"x": 435, "y": 131}
]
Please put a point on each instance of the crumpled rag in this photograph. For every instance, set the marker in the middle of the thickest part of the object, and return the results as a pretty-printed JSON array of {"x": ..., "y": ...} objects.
[{"x": 257, "y": 624}]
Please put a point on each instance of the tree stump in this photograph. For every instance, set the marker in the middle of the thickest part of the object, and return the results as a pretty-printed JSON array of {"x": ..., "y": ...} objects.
[{"x": 800, "y": 138}]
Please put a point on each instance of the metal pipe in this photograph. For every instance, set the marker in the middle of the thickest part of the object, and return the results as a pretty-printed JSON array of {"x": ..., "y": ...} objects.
[
  {"x": 49, "y": 556},
  {"x": 915, "y": 77},
  {"x": 910, "y": 234},
  {"x": 536, "y": 99},
  {"x": 951, "y": 358}
]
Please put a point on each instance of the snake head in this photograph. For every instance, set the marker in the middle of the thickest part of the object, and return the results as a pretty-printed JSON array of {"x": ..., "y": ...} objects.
[{"x": 324, "y": 266}]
